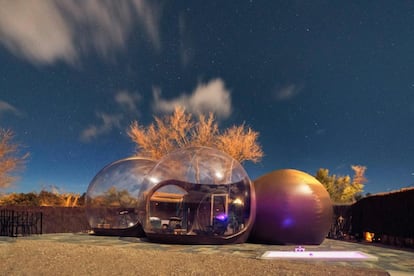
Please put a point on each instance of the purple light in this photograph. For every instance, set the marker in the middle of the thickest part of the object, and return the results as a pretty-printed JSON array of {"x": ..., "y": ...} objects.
[
  {"x": 221, "y": 217},
  {"x": 287, "y": 222},
  {"x": 314, "y": 255}
]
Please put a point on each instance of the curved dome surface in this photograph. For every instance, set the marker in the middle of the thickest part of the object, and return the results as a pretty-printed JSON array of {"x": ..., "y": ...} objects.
[
  {"x": 112, "y": 195},
  {"x": 293, "y": 207},
  {"x": 198, "y": 195}
]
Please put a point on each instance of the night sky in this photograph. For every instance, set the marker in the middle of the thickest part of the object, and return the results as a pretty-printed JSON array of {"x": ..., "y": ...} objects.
[{"x": 328, "y": 84}]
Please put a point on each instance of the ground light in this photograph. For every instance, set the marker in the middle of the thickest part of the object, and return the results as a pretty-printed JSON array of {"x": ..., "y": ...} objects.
[{"x": 301, "y": 254}]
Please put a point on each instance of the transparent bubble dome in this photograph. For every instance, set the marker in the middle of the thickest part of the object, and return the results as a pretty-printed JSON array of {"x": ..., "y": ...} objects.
[
  {"x": 197, "y": 192},
  {"x": 112, "y": 195}
]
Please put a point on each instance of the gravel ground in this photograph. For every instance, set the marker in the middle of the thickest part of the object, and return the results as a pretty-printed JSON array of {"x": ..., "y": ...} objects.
[{"x": 28, "y": 257}]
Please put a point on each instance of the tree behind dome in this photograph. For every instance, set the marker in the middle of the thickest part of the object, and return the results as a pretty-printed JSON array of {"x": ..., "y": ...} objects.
[
  {"x": 343, "y": 189},
  {"x": 180, "y": 130}
]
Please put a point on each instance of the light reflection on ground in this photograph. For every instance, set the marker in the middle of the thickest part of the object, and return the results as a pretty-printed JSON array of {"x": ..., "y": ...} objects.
[{"x": 318, "y": 255}]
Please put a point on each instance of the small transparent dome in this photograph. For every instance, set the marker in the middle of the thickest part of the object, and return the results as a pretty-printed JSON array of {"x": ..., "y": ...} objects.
[
  {"x": 112, "y": 195},
  {"x": 197, "y": 195}
]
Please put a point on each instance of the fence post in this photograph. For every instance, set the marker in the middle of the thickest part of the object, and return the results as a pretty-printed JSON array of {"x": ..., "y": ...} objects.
[{"x": 41, "y": 222}]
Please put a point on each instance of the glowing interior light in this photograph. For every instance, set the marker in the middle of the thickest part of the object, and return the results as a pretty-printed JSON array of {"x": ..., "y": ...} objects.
[
  {"x": 154, "y": 180},
  {"x": 221, "y": 217},
  {"x": 238, "y": 201},
  {"x": 219, "y": 175}
]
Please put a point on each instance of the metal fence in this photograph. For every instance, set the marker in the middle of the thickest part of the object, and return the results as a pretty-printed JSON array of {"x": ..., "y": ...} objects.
[{"x": 20, "y": 223}]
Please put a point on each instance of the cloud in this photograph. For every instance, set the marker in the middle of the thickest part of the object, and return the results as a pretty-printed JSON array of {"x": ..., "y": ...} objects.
[
  {"x": 108, "y": 122},
  {"x": 8, "y": 108},
  {"x": 186, "y": 51},
  {"x": 48, "y": 31},
  {"x": 287, "y": 92},
  {"x": 36, "y": 30},
  {"x": 149, "y": 15},
  {"x": 126, "y": 105},
  {"x": 127, "y": 100},
  {"x": 210, "y": 97}
]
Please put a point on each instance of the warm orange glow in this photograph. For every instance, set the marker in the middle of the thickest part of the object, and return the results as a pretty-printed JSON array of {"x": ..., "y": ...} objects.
[
  {"x": 369, "y": 237},
  {"x": 167, "y": 197},
  {"x": 238, "y": 201}
]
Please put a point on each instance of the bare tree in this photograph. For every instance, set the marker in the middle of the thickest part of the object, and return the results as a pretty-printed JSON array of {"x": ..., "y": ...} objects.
[
  {"x": 179, "y": 130},
  {"x": 163, "y": 136},
  {"x": 241, "y": 143},
  {"x": 359, "y": 174},
  {"x": 205, "y": 132},
  {"x": 10, "y": 160}
]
